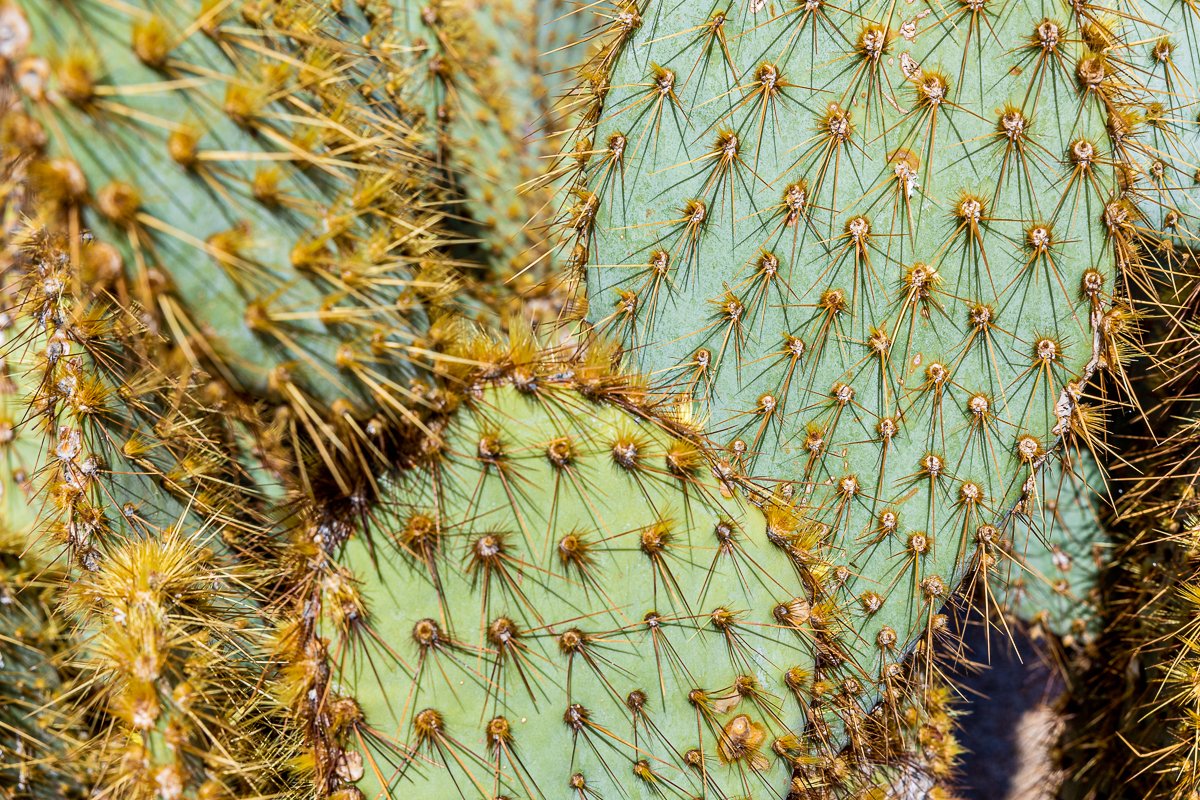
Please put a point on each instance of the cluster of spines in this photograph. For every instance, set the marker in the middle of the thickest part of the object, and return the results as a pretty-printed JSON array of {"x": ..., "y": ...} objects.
[
  {"x": 935, "y": 335},
  {"x": 145, "y": 511},
  {"x": 325, "y": 279},
  {"x": 37, "y": 730}
]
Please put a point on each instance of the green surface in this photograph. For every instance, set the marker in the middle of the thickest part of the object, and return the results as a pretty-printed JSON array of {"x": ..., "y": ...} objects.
[
  {"x": 755, "y": 154},
  {"x": 531, "y": 506},
  {"x": 279, "y": 244},
  {"x": 1052, "y": 580}
]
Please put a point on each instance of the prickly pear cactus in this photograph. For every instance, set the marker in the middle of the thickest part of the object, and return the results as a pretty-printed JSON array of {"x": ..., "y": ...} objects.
[
  {"x": 485, "y": 75},
  {"x": 1053, "y": 582},
  {"x": 567, "y": 594},
  {"x": 576, "y": 605},
  {"x": 253, "y": 187},
  {"x": 875, "y": 244},
  {"x": 137, "y": 496}
]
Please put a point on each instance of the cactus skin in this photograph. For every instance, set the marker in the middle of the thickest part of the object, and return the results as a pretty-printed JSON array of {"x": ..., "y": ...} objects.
[
  {"x": 132, "y": 486},
  {"x": 650, "y": 534},
  {"x": 728, "y": 203},
  {"x": 1053, "y": 584},
  {"x": 480, "y": 531},
  {"x": 483, "y": 83},
  {"x": 817, "y": 589},
  {"x": 279, "y": 223},
  {"x": 1158, "y": 122}
]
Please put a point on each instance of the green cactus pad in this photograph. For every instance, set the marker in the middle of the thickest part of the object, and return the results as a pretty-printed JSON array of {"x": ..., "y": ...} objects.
[
  {"x": 572, "y": 579},
  {"x": 482, "y": 79},
  {"x": 875, "y": 244},
  {"x": 1053, "y": 582},
  {"x": 273, "y": 215}
]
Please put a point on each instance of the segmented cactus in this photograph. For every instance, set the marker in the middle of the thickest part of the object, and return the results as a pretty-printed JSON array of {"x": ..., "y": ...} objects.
[
  {"x": 130, "y": 483},
  {"x": 1154, "y": 121},
  {"x": 579, "y": 607},
  {"x": 871, "y": 251},
  {"x": 256, "y": 190},
  {"x": 876, "y": 245}
]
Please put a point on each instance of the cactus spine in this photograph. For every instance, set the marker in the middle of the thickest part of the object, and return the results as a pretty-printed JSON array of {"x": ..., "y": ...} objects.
[
  {"x": 874, "y": 262},
  {"x": 844, "y": 233}
]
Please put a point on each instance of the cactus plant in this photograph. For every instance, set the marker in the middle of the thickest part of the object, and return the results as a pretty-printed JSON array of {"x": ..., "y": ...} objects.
[
  {"x": 1053, "y": 583},
  {"x": 564, "y": 576},
  {"x": 1138, "y": 682},
  {"x": 878, "y": 255},
  {"x": 276, "y": 218},
  {"x": 166, "y": 640},
  {"x": 873, "y": 248}
]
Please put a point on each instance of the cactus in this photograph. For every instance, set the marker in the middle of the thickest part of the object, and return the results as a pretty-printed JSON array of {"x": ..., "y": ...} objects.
[
  {"x": 1053, "y": 583},
  {"x": 543, "y": 602},
  {"x": 875, "y": 251},
  {"x": 478, "y": 75},
  {"x": 275, "y": 217},
  {"x": 1157, "y": 122},
  {"x": 881, "y": 257},
  {"x": 1138, "y": 682},
  {"x": 570, "y": 601},
  {"x": 34, "y": 646},
  {"x": 165, "y": 635}
]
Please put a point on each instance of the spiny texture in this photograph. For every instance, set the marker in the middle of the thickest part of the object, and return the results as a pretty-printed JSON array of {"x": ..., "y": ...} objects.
[
  {"x": 882, "y": 283},
  {"x": 566, "y": 594},
  {"x": 1154, "y": 46},
  {"x": 576, "y": 605},
  {"x": 257, "y": 191},
  {"x": 483, "y": 74},
  {"x": 1053, "y": 582},
  {"x": 1141, "y": 683},
  {"x": 36, "y": 731},
  {"x": 878, "y": 245},
  {"x": 133, "y": 488}
]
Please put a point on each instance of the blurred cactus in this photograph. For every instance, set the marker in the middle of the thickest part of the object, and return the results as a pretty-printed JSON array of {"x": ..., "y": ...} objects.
[
  {"x": 1053, "y": 583},
  {"x": 36, "y": 732},
  {"x": 256, "y": 191}
]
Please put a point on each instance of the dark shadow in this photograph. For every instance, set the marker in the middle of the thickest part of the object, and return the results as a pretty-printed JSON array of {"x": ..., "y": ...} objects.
[{"x": 1017, "y": 681}]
